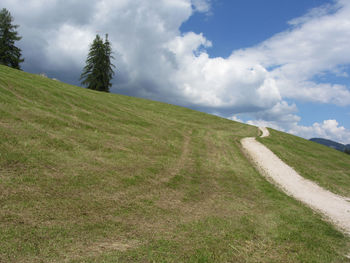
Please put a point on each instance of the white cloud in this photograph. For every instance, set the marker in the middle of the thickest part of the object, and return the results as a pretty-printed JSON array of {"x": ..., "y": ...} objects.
[
  {"x": 281, "y": 112},
  {"x": 235, "y": 118},
  {"x": 328, "y": 129},
  {"x": 317, "y": 44},
  {"x": 283, "y": 117},
  {"x": 63, "y": 42},
  {"x": 201, "y": 5},
  {"x": 217, "y": 82},
  {"x": 155, "y": 60}
]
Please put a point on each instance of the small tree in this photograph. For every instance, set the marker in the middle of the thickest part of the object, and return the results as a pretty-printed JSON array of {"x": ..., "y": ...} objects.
[
  {"x": 10, "y": 55},
  {"x": 98, "y": 72}
]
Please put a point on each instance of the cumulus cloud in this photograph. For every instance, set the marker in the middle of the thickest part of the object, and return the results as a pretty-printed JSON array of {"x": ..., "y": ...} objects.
[
  {"x": 317, "y": 44},
  {"x": 329, "y": 129},
  {"x": 281, "y": 117},
  {"x": 282, "y": 112},
  {"x": 220, "y": 83},
  {"x": 155, "y": 60}
]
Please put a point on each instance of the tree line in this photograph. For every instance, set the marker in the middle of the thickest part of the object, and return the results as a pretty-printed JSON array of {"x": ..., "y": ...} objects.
[{"x": 97, "y": 73}]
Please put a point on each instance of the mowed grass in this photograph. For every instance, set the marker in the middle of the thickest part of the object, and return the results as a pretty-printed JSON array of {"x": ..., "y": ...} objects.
[
  {"x": 95, "y": 177},
  {"x": 327, "y": 167}
]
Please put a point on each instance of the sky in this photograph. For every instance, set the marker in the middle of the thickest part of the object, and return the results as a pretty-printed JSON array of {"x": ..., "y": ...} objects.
[{"x": 280, "y": 64}]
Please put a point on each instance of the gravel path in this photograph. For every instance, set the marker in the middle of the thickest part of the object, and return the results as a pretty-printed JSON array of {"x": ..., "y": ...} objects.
[{"x": 336, "y": 208}]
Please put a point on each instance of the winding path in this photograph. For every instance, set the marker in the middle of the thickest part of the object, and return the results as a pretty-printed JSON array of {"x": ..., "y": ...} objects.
[{"x": 336, "y": 208}]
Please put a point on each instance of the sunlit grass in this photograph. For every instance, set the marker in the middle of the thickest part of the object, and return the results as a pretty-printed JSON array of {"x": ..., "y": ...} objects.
[{"x": 95, "y": 177}]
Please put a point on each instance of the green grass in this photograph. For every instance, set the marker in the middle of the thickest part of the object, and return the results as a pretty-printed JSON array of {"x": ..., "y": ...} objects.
[
  {"x": 96, "y": 177},
  {"x": 326, "y": 166}
]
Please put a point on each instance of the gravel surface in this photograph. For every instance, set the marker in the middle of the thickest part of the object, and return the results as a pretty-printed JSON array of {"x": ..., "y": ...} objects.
[{"x": 334, "y": 207}]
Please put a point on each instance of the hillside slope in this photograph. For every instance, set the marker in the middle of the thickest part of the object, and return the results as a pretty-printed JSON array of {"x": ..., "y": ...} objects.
[
  {"x": 328, "y": 167},
  {"x": 96, "y": 177}
]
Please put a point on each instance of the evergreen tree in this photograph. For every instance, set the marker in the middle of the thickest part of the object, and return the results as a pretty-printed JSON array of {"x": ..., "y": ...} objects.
[
  {"x": 10, "y": 55},
  {"x": 98, "y": 72}
]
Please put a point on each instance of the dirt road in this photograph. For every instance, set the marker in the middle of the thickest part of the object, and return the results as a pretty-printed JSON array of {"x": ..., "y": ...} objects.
[{"x": 334, "y": 207}]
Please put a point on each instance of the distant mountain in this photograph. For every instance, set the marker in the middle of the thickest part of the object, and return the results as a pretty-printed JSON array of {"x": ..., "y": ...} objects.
[{"x": 335, "y": 145}]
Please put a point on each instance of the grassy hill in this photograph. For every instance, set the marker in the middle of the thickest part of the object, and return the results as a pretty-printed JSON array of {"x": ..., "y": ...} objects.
[
  {"x": 328, "y": 167},
  {"x": 96, "y": 177}
]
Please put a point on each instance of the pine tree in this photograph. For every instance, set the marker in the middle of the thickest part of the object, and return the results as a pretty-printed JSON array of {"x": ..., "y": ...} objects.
[
  {"x": 98, "y": 72},
  {"x": 10, "y": 55},
  {"x": 109, "y": 73}
]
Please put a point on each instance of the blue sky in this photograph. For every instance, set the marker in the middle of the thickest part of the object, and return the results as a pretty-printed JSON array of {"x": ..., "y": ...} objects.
[
  {"x": 235, "y": 24},
  {"x": 281, "y": 64},
  {"x": 241, "y": 24},
  {"x": 238, "y": 24}
]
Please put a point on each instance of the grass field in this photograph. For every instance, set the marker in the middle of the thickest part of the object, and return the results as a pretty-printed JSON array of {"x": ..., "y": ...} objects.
[
  {"x": 326, "y": 166},
  {"x": 96, "y": 177}
]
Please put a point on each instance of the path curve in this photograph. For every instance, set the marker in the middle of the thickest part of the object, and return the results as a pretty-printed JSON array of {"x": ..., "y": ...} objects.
[
  {"x": 265, "y": 132},
  {"x": 336, "y": 208}
]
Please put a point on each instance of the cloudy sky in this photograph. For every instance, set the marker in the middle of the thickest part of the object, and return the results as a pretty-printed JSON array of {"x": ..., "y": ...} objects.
[{"x": 283, "y": 64}]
